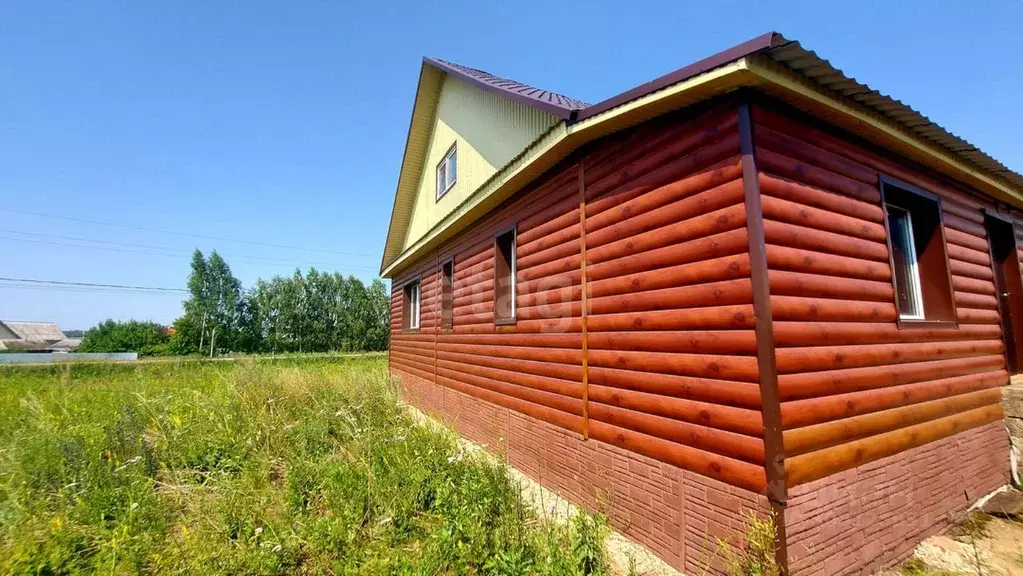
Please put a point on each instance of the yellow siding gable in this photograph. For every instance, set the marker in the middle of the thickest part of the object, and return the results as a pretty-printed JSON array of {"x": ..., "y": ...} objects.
[{"x": 488, "y": 132}]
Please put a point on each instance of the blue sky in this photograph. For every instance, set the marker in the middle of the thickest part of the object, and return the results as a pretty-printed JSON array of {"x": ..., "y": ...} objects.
[{"x": 284, "y": 122}]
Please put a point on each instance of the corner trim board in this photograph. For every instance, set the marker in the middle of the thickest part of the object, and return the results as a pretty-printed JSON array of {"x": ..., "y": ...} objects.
[
  {"x": 583, "y": 309},
  {"x": 767, "y": 365}
]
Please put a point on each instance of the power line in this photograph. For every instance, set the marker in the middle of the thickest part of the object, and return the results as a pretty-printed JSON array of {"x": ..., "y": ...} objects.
[
  {"x": 184, "y": 254},
  {"x": 186, "y": 234},
  {"x": 35, "y": 288},
  {"x": 91, "y": 284}
]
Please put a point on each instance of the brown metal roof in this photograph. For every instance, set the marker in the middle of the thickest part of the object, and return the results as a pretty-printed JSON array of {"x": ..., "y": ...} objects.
[
  {"x": 759, "y": 56},
  {"x": 793, "y": 56},
  {"x": 551, "y": 102},
  {"x": 773, "y": 45},
  {"x": 808, "y": 64},
  {"x": 699, "y": 67}
]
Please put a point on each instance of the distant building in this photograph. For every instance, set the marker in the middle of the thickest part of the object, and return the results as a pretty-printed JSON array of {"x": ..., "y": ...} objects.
[
  {"x": 32, "y": 336},
  {"x": 65, "y": 345}
]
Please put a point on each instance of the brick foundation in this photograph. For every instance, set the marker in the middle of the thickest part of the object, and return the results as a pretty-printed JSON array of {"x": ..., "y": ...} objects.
[
  {"x": 854, "y": 522},
  {"x": 677, "y": 514},
  {"x": 873, "y": 516}
]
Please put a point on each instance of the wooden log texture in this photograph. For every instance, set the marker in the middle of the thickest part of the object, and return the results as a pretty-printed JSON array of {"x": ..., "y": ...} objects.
[
  {"x": 670, "y": 344},
  {"x": 854, "y": 385},
  {"x": 820, "y": 436},
  {"x": 827, "y": 408},
  {"x": 671, "y": 348},
  {"x": 820, "y": 463}
]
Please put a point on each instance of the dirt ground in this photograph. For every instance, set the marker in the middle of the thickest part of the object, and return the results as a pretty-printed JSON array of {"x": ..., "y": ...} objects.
[{"x": 983, "y": 546}]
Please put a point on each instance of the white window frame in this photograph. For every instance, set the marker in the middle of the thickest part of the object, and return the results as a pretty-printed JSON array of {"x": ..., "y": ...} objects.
[
  {"x": 514, "y": 273},
  {"x": 415, "y": 289},
  {"x": 915, "y": 291},
  {"x": 445, "y": 183}
]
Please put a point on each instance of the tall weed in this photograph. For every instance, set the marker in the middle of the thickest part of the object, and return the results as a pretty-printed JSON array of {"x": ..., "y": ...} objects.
[{"x": 256, "y": 467}]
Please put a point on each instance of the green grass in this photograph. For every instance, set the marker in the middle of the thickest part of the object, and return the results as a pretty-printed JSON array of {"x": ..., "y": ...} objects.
[
  {"x": 297, "y": 466},
  {"x": 917, "y": 567},
  {"x": 973, "y": 527}
]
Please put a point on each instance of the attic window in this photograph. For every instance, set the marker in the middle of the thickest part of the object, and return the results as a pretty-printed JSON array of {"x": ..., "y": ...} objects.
[{"x": 447, "y": 172}]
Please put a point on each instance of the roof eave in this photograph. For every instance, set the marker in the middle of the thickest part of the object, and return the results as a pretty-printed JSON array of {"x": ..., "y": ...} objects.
[
  {"x": 733, "y": 54},
  {"x": 561, "y": 141},
  {"x": 391, "y": 231},
  {"x": 789, "y": 86},
  {"x": 748, "y": 71}
]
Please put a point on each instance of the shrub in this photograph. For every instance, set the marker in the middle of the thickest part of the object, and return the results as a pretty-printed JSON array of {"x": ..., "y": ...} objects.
[{"x": 146, "y": 338}]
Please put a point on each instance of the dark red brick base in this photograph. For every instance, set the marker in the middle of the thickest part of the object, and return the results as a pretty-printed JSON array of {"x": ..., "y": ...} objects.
[
  {"x": 854, "y": 522},
  {"x": 871, "y": 517},
  {"x": 677, "y": 514}
]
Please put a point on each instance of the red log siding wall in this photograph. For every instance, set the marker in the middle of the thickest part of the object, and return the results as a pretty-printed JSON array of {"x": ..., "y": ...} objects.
[
  {"x": 672, "y": 371},
  {"x": 846, "y": 370},
  {"x": 854, "y": 387}
]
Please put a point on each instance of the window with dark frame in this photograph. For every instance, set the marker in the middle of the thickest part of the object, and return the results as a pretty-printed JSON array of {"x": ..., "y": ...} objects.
[
  {"x": 919, "y": 260},
  {"x": 410, "y": 306},
  {"x": 504, "y": 277},
  {"x": 447, "y": 294},
  {"x": 447, "y": 171}
]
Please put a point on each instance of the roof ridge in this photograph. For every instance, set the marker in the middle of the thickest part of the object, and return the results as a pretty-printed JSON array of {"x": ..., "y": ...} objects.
[
  {"x": 28, "y": 321},
  {"x": 548, "y": 101}
]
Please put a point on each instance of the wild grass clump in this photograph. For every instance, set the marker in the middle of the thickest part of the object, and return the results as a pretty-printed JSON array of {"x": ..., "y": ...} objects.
[
  {"x": 914, "y": 566},
  {"x": 254, "y": 468},
  {"x": 754, "y": 555}
]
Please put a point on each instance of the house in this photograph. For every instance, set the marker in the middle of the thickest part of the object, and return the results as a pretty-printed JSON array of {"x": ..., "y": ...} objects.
[
  {"x": 29, "y": 336},
  {"x": 752, "y": 283}
]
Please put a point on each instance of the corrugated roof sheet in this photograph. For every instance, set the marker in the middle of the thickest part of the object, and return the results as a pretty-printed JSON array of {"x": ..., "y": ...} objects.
[
  {"x": 793, "y": 56},
  {"x": 772, "y": 46},
  {"x": 788, "y": 53},
  {"x": 806, "y": 63},
  {"x": 36, "y": 331},
  {"x": 551, "y": 102}
]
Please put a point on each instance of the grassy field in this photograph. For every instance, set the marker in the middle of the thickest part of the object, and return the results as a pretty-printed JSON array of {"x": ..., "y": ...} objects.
[{"x": 301, "y": 466}]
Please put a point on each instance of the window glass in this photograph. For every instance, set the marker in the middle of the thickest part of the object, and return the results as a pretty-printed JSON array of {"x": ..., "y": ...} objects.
[
  {"x": 415, "y": 305},
  {"x": 447, "y": 319},
  {"x": 504, "y": 276},
  {"x": 452, "y": 172},
  {"x": 410, "y": 306},
  {"x": 907, "y": 269},
  {"x": 441, "y": 179},
  {"x": 447, "y": 172},
  {"x": 919, "y": 258}
]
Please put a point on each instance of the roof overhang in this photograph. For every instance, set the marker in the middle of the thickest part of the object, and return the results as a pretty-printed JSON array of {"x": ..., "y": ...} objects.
[
  {"x": 769, "y": 64},
  {"x": 416, "y": 143},
  {"x": 560, "y": 141},
  {"x": 835, "y": 109}
]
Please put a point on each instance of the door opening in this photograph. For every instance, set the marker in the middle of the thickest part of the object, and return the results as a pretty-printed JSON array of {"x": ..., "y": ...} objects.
[{"x": 1009, "y": 287}]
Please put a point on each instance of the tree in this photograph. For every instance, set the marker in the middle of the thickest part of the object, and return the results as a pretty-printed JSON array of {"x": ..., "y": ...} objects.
[
  {"x": 197, "y": 307},
  {"x": 225, "y": 297},
  {"x": 378, "y": 316},
  {"x": 146, "y": 338},
  {"x": 185, "y": 339},
  {"x": 312, "y": 312}
]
